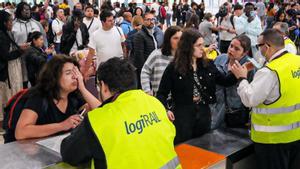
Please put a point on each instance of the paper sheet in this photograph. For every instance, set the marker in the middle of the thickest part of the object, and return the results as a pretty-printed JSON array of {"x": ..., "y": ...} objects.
[{"x": 53, "y": 143}]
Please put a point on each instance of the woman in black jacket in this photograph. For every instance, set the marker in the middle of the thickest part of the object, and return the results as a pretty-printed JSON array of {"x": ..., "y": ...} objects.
[
  {"x": 10, "y": 63},
  {"x": 35, "y": 56},
  {"x": 191, "y": 78}
]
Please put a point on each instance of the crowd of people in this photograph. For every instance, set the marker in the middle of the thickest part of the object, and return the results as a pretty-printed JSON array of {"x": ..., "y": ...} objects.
[{"x": 198, "y": 71}]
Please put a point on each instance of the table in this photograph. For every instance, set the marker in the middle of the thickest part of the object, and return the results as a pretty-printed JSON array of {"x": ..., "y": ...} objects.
[{"x": 226, "y": 144}]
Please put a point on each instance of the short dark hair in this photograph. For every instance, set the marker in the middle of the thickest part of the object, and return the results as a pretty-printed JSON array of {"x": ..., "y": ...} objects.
[
  {"x": 118, "y": 74},
  {"x": 249, "y": 4},
  {"x": 105, "y": 14},
  {"x": 238, "y": 7},
  {"x": 245, "y": 42},
  {"x": 207, "y": 16},
  {"x": 273, "y": 37},
  {"x": 166, "y": 47},
  {"x": 88, "y": 7},
  {"x": 148, "y": 13}
]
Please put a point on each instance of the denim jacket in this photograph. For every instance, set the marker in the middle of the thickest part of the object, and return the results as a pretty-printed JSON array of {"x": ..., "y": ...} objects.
[{"x": 232, "y": 97}]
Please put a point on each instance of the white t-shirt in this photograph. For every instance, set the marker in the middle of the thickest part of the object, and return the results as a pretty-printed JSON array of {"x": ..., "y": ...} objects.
[
  {"x": 107, "y": 44},
  {"x": 57, "y": 26},
  {"x": 79, "y": 42},
  {"x": 95, "y": 25}
]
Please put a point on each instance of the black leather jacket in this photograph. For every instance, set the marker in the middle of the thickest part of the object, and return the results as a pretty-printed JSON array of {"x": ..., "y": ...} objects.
[
  {"x": 69, "y": 37},
  {"x": 6, "y": 55}
]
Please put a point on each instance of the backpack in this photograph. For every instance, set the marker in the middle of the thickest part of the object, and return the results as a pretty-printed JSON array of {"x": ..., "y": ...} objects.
[
  {"x": 12, "y": 112},
  {"x": 50, "y": 34},
  {"x": 162, "y": 12}
]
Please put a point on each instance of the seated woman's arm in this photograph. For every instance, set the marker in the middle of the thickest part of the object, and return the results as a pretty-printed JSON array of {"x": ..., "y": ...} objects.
[
  {"x": 91, "y": 100},
  {"x": 27, "y": 128}
]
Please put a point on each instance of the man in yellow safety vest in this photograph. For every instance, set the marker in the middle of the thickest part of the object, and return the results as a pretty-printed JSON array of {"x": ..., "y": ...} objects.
[
  {"x": 275, "y": 100},
  {"x": 129, "y": 130}
]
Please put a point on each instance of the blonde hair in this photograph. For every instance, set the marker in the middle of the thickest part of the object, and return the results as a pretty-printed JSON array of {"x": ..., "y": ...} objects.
[{"x": 137, "y": 20}]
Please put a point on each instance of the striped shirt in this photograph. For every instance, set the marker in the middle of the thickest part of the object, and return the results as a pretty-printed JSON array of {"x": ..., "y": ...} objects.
[{"x": 153, "y": 70}]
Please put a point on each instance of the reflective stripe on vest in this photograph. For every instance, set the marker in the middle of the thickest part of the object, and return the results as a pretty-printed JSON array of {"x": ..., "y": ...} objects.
[
  {"x": 273, "y": 129},
  {"x": 172, "y": 164},
  {"x": 276, "y": 110}
]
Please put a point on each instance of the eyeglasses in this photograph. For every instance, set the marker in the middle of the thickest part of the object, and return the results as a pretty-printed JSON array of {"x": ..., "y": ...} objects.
[
  {"x": 259, "y": 45},
  {"x": 150, "y": 19}
]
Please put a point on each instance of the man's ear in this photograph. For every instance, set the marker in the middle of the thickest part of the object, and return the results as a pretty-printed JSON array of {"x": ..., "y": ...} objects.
[{"x": 104, "y": 86}]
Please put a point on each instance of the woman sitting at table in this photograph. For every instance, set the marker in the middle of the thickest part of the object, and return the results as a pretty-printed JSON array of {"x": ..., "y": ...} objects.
[{"x": 52, "y": 106}]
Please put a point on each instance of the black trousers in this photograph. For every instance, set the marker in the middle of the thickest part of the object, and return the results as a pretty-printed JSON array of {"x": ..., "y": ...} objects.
[
  {"x": 191, "y": 122},
  {"x": 278, "y": 156},
  {"x": 224, "y": 45}
]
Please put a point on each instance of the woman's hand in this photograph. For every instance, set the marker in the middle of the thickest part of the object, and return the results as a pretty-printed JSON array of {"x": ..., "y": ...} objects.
[
  {"x": 71, "y": 122},
  {"x": 49, "y": 50},
  {"x": 79, "y": 78}
]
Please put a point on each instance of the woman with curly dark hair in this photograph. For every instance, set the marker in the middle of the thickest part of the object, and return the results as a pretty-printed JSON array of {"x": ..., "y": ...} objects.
[
  {"x": 191, "y": 78},
  {"x": 51, "y": 106}
]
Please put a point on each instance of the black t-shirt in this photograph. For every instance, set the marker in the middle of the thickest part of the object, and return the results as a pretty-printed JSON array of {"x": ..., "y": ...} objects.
[{"x": 48, "y": 112}]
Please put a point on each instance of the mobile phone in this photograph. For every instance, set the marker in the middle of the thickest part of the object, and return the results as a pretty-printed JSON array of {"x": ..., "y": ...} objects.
[
  {"x": 81, "y": 115},
  {"x": 254, "y": 63}
]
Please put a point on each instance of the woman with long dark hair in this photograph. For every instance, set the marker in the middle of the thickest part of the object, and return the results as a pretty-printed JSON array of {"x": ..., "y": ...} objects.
[{"x": 191, "y": 78}]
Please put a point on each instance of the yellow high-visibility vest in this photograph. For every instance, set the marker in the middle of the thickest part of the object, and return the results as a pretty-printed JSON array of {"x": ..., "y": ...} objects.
[
  {"x": 279, "y": 122},
  {"x": 135, "y": 132},
  {"x": 289, "y": 41}
]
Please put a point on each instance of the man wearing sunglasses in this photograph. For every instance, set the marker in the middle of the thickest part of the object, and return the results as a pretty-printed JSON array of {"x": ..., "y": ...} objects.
[{"x": 274, "y": 98}]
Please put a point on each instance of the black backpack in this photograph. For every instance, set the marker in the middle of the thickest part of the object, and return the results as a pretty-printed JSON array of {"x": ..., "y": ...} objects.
[
  {"x": 50, "y": 34},
  {"x": 12, "y": 112}
]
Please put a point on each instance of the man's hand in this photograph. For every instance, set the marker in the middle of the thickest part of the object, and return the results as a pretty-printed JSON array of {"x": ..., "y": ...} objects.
[{"x": 238, "y": 70}]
